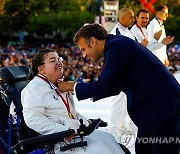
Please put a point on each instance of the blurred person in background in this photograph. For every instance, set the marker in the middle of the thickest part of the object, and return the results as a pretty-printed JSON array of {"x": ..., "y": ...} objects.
[
  {"x": 126, "y": 19},
  {"x": 139, "y": 29},
  {"x": 160, "y": 41},
  {"x": 120, "y": 120}
]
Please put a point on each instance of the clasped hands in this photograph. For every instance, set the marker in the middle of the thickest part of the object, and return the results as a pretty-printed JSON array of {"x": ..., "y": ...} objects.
[{"x": 166, "y": 40}]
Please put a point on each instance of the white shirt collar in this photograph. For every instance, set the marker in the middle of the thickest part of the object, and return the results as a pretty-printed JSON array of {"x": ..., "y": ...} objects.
[
  {"x": 49, "y": 82},
  {"x": 122, "y": 27}
]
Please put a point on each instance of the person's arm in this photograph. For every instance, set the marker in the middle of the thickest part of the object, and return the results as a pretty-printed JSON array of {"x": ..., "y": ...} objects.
[
  {"x": 116, "y": 59},
  {"x": 153, "y": 35},
  {"x": 153, "y": 43},
  {"x": 66, "y": 86}
]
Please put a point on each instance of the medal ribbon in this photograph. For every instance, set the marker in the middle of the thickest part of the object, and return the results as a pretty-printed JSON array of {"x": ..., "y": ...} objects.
[
  {"x": 66, "y": 103},
  {"x": 141, "y": 30}
]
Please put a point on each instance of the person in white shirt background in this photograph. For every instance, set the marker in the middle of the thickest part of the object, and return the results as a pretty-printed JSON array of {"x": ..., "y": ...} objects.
[
  {"x": 119, "y": 117},
  {"x": 160, "y": 42},
  {"x": 46, "y": 110},
  {"x": 139, "y": 29},
  {"x": 126, "y": 19}
]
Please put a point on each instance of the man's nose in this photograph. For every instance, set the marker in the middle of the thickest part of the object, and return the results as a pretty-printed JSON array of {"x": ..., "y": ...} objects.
[
  {"x": 145, "y": 20},
  {"x": 59, "y": 62}
]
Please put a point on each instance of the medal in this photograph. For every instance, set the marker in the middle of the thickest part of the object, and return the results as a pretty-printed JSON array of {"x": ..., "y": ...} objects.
[{"x": 70, "y": 115}]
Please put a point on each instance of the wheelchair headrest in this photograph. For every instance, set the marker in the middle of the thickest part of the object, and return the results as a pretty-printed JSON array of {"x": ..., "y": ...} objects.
[{"x": 11, "y": 75}]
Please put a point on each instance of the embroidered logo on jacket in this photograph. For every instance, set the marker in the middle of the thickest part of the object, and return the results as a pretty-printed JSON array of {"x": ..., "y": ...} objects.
[{"x": 55, "y": 97}]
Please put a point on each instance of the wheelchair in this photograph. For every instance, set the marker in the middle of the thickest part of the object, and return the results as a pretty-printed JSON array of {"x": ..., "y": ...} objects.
[{"x": 15, "y": 136}]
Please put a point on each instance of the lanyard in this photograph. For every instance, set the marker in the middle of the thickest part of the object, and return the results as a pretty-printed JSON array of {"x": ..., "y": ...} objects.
[
  {"x": 160, "y": 24},
  {"x": 141, "y": 30},
  {"x": 66, "y": 102}
]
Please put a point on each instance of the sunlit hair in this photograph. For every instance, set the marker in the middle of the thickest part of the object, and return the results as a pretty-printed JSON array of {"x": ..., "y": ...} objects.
[
  {"x": 123, "y": 13},
  {"x": 161, "y": 7},
  {"x": 142, "y": 10},
  {"x": 38, "y": 60},
  {"x": 90, "y": 30}
]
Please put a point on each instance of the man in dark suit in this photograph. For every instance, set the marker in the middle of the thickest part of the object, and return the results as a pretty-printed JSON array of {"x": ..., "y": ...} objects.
[{"x": 153, "y": 94}]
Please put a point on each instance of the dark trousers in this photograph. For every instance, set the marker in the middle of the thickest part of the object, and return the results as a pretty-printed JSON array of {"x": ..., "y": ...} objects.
[{"x": 165, "y": 140}]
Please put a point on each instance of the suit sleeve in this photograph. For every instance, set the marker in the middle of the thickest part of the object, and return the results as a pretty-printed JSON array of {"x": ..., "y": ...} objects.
[{"x": 116, "y": 59}]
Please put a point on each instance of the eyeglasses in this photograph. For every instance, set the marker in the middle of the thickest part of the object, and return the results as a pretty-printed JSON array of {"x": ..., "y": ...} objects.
[{"x": 54, "y": 60}]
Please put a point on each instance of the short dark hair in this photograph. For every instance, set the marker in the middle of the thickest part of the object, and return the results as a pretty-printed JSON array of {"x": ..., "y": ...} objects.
[
  {"x": 142, "y": 10},
  {"x": 161, "y": 7},
  {"x": 91, "y": 30},
  {"x": 38, "y": 60}
]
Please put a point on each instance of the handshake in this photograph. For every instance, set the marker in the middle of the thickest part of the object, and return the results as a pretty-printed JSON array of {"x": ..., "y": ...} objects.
[{"x": 84, "y": 131}]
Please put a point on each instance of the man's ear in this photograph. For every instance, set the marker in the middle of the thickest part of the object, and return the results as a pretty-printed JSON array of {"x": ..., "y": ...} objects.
[
  {"x": 40, "y": 69},
  {"x": 93, "y": 41}
]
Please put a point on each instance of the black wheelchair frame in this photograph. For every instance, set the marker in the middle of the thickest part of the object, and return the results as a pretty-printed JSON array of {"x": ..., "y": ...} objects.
[{"x": 18, "y": 138}]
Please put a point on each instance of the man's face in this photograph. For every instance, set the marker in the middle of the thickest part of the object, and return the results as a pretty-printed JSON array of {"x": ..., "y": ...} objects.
[
  {"x": 128, "y": 19},
  {"x": 162, "y": 15},
  {"x": 89, "y": 49},
  {"x": 143, "y": 19}
]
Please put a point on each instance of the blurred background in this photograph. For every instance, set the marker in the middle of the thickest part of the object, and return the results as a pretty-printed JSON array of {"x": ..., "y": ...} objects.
[{"x": 29, "y": 25}]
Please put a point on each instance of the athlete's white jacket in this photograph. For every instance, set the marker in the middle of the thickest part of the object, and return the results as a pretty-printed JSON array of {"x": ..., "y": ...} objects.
[{"x": 45, "y": 112}]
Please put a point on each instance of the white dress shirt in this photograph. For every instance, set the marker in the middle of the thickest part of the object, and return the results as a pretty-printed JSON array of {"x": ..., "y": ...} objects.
[
  {"x": 119, "y": 102},
  {"x": 140, "y": 35},
  {"x": 121, "y": 30},
  {"x": 157, "y": 47}
]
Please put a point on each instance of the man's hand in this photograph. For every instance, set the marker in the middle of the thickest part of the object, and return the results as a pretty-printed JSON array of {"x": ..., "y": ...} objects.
[
  {"x": 65, "y": 86},
  {"x": 144, "y": 42},
  {"x": 166, "y": 62},
  {"x": 168, "y": 40},
  {"x": 69, "y": 138},
  {"x": 157, "y": 35}
]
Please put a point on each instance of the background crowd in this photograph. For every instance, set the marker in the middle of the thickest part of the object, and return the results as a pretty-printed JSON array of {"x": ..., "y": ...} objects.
[
  {"x": 174, "y": 58},
  {"x": 76, "y": 68},
  {"x": 33, "y": 21}
]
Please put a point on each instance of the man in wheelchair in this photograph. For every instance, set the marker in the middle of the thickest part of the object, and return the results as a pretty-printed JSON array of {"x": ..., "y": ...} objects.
[{"x": 47, "y": 111}]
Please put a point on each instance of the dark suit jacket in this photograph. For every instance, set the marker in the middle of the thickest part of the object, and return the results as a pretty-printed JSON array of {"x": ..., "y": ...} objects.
[{"x": 153, "y": 94}]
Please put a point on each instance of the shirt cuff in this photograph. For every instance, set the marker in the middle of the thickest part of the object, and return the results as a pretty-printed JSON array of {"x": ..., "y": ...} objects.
[{"x": 74, "y": 88}]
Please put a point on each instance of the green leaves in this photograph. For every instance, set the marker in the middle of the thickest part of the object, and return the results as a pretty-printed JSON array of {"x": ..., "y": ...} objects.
[{"x": 45, "y": 16}]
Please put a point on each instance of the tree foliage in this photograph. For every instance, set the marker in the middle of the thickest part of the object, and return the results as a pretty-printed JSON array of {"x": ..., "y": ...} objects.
[
  {"x": 40, "y": 17},
  {"x": 44, "y": 16}
]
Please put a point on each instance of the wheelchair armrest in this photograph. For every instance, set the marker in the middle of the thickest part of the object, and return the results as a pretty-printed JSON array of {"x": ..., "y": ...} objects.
[
  {"x": 102, "y": 123},
  {"x": 44, "y": 139}
]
